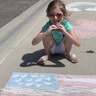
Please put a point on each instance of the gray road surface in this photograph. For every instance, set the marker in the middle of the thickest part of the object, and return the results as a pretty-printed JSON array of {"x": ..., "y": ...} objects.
[{"x": 10, "y": 9}]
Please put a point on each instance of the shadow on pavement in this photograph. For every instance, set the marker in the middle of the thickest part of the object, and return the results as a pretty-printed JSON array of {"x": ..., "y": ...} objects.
[
  {"x": 30, "y": 59},
  {"x": 55, "y": 59}
]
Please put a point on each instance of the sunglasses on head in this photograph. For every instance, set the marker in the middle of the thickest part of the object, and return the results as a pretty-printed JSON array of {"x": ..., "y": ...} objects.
[{"x": 58, "y": 15}]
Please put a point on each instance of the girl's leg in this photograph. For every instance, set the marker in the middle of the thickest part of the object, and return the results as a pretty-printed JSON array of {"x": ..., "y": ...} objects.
[
  {"x": 48, "y": 43},
  {"x": 68, "y": 46}
]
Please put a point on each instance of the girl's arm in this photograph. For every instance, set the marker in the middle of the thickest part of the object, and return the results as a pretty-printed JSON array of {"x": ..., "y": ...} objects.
[
  {"x": 73, "y": 37},
  {"x": 39, "y": 37},
  {"x": 43, "y": 35}
]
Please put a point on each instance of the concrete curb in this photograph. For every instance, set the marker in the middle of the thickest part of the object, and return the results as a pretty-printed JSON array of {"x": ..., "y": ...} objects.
[{"x": 16, "y": 30}]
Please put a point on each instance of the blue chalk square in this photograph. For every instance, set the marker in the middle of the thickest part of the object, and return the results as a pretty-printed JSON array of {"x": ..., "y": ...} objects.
[{"x": 33, "y": 80}]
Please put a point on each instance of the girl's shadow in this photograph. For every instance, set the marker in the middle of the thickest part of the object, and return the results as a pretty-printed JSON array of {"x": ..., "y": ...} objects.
[{"x": 31, "y": 59}]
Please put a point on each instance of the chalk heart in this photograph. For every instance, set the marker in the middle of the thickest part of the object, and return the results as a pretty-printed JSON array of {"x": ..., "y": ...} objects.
[{"x": 85, "y": 28}]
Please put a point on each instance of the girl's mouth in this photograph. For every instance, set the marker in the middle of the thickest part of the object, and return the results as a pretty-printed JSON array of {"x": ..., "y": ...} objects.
[{"x": 56, "y": 21}]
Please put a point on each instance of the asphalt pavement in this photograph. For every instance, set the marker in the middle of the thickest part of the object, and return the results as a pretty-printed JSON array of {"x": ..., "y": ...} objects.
[
  {"x": 18, "y": 55},
  {"x": 9, "y": 9}
]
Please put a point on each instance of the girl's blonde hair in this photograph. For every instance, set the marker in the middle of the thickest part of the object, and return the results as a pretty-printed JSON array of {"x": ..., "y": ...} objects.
[{"x": 56, "y": 4}]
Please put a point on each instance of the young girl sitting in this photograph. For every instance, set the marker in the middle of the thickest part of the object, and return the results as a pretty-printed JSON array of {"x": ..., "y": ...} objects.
[{"x": 57, "y": 34}]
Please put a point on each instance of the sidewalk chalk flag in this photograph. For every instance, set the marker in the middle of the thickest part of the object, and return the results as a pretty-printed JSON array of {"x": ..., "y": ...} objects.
[{"x": 41, "y": 84}]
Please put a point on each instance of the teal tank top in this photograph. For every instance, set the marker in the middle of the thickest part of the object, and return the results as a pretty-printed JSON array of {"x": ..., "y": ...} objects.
[{"x": 58, "y": 36}]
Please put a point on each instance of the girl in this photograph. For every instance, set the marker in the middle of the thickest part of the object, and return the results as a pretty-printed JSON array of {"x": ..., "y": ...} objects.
[{"x": 57, "y": 34}]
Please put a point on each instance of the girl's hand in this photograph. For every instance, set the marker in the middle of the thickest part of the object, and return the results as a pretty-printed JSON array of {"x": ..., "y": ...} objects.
[
  {"x": 61, "y": 28},
  {"x": 51, "y": 28}
]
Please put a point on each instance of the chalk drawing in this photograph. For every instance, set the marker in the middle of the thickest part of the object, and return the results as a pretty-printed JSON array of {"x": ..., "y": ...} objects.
[
  {"x": 33, "y": 80},
  {"x": 74, "y": 6},
  {"x": 85, "y": 28},
  {"x": 68, "y": 85}
]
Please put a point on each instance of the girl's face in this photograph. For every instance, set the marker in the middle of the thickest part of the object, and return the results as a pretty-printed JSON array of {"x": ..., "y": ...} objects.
[{"x": 56, "y": 16}]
